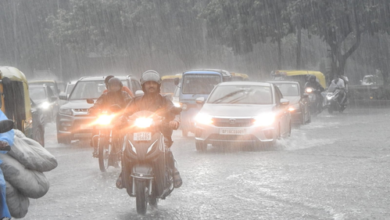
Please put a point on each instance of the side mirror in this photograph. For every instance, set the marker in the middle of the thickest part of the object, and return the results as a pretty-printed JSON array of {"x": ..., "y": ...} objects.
[
  {"x": 63, "y": 96},
  {"x": 200, "y": 100},
  {"x": 176, "y": 81},
  {"x": 284, "y": 102},
  {"x": 139, "y": 93},
  {"x": 90, "y": 101}
]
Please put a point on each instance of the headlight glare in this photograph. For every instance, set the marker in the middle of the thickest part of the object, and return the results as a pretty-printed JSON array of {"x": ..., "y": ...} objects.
[
  {"x": 265, "y": 119},
  {"x": 203, "y": 119},
  {"x": 143, "y": 122}
]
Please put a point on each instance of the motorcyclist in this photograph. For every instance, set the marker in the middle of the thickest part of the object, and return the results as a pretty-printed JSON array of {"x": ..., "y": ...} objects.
[
  {"x": 124, "y": 88},
  {"x": 154, "y": 102},
  {"x": 6, "y": 140},
  {"x": 338, "y": 83},
  {"x": 114, "y": 96},
  {"x": 318, "y": 89}
]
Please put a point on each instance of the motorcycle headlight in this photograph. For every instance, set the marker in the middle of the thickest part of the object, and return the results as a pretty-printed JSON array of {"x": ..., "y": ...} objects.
[
  {"x": 67, "y": 111},
  {"x": 143, "y": 122},
  {"x": 45, "y": 105},
  {"x": 309, "y": 90},
  {"x": 177, "y": 104},
  {"x": 265, "y": 119},
  {"x": 329, "y": 96},
  {"x": 203, "y": 119},
  {"x": 104, "y": 119}
]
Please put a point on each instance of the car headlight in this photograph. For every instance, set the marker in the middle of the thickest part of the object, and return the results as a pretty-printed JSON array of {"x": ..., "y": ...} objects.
[
  {"x": 265, "y": 119},
  {"x": 202, "y": 118},
  {"x": 143, "y": 122},
  {"x": 293, "y": 108},
  {"x": 45, "y": 105},
  {"x": 66, "y": 111}
]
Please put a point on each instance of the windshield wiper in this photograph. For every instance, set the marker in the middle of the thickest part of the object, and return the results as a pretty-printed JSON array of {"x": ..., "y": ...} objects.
[{"x": 228, "y": 95}]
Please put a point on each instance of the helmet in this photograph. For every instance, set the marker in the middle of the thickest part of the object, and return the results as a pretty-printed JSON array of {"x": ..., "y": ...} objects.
[
  {"x": 114, "y": 84},
  {"x": 107, "y": 79},
  {"x": 312, "y": 78},
  {"x": 150, "y": 75}
]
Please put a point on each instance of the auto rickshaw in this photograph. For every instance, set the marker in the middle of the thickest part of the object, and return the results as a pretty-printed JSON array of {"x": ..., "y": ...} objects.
[
  {"x": 16, "y": 104},
  {"x": 299, "y": 75},
  {"x": 168, "y": 84},
  {"x": 239, "y": 77}
]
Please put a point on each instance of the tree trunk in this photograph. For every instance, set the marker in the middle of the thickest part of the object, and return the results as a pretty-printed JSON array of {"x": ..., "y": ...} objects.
[
  {"x": 279, "y": 54},
  {"x": 299, "y": 42}
]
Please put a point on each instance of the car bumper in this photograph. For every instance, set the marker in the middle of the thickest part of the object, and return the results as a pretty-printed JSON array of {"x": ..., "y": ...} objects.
[{"x": 214, "y": 135}]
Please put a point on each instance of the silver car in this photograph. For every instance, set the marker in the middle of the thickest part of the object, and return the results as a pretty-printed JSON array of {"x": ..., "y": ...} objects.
[{"x": 252, "y": 113}]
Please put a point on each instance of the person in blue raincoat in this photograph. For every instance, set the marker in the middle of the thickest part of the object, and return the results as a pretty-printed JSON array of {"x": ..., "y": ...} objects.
[{"x": 6, "y": 138}]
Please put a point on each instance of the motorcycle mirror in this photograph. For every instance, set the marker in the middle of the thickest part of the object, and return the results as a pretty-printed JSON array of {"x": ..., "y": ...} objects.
[
  {"x": 90, "y": 101},
  {"x": 6, "y": 125}
]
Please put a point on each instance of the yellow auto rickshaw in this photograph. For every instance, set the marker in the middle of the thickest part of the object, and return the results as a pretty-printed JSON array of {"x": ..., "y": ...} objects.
[
  {"x": 239, "y": 77},
  {"x": 168, "y": 84},
  {"x": 299, "y": 75},
  {"x": 16, "y": 104}
]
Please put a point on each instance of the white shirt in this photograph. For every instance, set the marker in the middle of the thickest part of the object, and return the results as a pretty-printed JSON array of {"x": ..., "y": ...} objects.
[{"x": 340, "y": 83}]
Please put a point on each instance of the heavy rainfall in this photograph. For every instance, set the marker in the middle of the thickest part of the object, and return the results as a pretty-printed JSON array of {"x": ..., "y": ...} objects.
[{"x": 194, "y": 109}]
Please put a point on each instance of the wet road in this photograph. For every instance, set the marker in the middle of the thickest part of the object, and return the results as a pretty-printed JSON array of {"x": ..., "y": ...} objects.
[{"x": 337, "y": 167}]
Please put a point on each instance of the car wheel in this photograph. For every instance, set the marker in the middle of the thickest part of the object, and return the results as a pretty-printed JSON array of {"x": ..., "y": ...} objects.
[
  {"x": 201, "y": 146},
  {"x": 39, "y": 136}
]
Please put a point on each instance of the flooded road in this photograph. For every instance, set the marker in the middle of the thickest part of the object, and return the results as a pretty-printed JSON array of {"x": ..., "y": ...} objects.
[{"x": 336, "y": 167}]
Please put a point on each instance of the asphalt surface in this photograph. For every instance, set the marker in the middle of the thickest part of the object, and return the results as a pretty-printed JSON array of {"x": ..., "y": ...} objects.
[{"x": 336, "y": 167}]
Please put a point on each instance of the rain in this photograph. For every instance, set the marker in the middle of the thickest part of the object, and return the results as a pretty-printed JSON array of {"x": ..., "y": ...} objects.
[{"x": 245, "y": 148}]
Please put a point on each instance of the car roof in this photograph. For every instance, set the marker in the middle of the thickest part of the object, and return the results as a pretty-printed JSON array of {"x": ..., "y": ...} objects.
[
  {"x": 246, "y": 83},
  {"x": 283, "y": 81},
  {"x": 209, "y": 71},
  {"x": 42, "y": 81}
]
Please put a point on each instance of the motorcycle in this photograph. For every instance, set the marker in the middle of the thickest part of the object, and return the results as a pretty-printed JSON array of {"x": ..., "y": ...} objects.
[
  {"x": 108, "y": 140},
  {"x": 146, "y": 170},
  {"x": 333, "y": 97},
  {"x": 314, "y": 102}
]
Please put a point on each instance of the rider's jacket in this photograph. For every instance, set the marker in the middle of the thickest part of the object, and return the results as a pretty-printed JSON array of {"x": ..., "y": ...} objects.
[
  {"x": 120, "y": 98},
  {"x": 154, "y": 103}
]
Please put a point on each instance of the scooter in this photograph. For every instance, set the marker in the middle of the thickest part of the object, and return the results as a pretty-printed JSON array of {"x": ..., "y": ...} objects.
[
  {"x": 314, "y": 105},
  {"x": 334, "y": 101},
  {"x": 146, "y": 171}
]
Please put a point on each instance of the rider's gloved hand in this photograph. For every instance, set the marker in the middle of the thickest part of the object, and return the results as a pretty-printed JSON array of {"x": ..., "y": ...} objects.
[{"x": 174, "y": 125}]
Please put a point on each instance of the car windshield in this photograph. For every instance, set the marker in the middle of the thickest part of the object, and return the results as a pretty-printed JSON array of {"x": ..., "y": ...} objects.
[
  {"x": 168, "y": 86},
  {"x": 241, "y": 94},
  {"x": 288, "y": 89},
  {"x": 88, "y": 90},
  {"x": 200, "y": 83},
  {"x": 69, "y": 88},
  {"x": 37, "y": 93}
]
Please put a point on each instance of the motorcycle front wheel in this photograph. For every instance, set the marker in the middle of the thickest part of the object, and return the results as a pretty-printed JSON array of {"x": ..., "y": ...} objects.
[
  {"x": 104, "y": 152},
  {"x": 141, "y": 196}
]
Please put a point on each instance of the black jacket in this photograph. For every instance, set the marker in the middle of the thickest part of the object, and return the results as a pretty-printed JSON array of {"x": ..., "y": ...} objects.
[{"x": 106, "y": 100}]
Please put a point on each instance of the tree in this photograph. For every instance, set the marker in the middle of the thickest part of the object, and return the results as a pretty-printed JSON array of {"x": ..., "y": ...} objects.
[{"x": 341, "y": 23}]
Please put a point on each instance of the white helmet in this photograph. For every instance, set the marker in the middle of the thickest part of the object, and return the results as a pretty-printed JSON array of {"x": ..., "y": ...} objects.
[{"x": 150, "y": 75}]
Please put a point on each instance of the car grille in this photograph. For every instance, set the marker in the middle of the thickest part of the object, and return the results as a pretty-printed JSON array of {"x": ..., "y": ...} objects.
[
  {"x": 219, "y": 137},
  {"x": 80, "y": 110},
  {"x": 233, "y": 122}
]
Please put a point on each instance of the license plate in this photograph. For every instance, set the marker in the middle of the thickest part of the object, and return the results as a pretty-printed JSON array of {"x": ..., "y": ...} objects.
[
  {"x": 142, "y": 136},
  {"x": 232, "y": 131}
]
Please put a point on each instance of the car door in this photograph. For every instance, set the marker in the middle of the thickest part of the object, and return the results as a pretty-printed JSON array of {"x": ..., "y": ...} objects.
[{"x": 282, "y": 111}]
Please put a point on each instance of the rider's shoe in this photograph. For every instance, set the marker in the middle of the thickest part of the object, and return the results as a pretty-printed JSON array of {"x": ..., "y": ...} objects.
[
  {"x": 177, "y": 181},
  {"x": 95, "y": 153}
]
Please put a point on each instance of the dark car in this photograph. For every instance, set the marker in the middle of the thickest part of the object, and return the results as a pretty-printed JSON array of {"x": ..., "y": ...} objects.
[
  {"x": 73, "y": 120},
  {"x": 46, "y": 100},
  {"x": 299, "y": 102}
]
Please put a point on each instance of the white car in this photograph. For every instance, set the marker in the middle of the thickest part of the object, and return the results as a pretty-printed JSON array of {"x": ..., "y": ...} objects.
[{"x": 242, "y": 112}]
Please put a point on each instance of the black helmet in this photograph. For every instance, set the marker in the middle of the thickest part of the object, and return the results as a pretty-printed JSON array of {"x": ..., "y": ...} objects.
[
  {"x": 150, "y": 75},
  {"x": 114, "y": 84},
  {"x": 312, "y": 78},
  {"x": 107, "y": 79}
]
